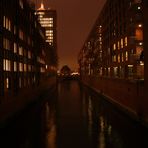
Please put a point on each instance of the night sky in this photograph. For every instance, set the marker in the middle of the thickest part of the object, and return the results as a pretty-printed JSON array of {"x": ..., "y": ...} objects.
[{"x": 75, "y": 20}]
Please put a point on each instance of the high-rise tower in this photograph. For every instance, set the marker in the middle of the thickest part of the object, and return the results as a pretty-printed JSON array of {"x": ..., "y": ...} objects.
[{"x": 48, "y": 20}]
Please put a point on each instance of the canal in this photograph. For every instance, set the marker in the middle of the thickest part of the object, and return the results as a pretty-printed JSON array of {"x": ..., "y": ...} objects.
[{"x": 72, "y": 117}]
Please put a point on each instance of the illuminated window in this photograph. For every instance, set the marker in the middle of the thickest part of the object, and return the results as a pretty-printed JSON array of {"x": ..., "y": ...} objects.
[
  {"x": 108, "y": 71},
  {"x": 14, "y": 29},
  {"x": 21, "y": 34},
  {"x": 119, "y": 58},
  {"x": 4, "y": 20},
  {"x": 15, "y": 66},
  {"x": 29, "y": 67},
  {"x": 21, "y": 67},
  {"x": 130, "y": 70},
  {"x": 6, "y": 65},
  {"x": 114, "y": 46},
  {"x": 15, "y": 48},
  {"x": 121, "y": 43},
  {"x": 126, "y": 55},
  {"x": 6, "y": 43},
  {"x": 21, "y": 4},
  {"x": 29, "y": 54},
  {"x": 139, "y": 49},
  {"x": 51, "y": 19},
  {"x": 25, "y": 67},
  {"x": 115, "y": 70},
  {"x": 20, "y": 50},
  {"x": 139, "y": 34},
  {"x": 7, "y": 83},
  {"x": 6, "y": 23},
  {"x": 118, "y": 45},
  {"x": 125, "y": 41}
]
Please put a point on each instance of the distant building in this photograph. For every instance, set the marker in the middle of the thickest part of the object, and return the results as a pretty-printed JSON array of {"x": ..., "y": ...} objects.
[
  {"x": 113, "y": 55},
  {"x": 48, "y": 20}
]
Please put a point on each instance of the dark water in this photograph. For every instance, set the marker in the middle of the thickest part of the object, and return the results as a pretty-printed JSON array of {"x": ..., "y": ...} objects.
[{"x": 73, "y": 117}]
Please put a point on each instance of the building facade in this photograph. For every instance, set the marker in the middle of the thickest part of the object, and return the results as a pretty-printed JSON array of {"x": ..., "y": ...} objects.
[
  {"x": 48, "y": 20},
  {"x": 23, "y": 58},
  {"x": 112, "y": 58}
]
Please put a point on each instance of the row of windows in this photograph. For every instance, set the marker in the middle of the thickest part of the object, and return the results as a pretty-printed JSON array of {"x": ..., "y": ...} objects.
[
  {"x": 6, "y": 23},
  {"x": 22, "y": 82},
  {"x": 120, "y": 44},
  {"x": 121, "y": 57},
  {"x": 17, "y": 66},
  {"x": 114, "y": 71},
  {"x": 20, "y": 50}
]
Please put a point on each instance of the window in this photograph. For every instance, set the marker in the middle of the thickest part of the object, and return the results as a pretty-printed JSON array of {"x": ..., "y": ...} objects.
[
  {"x": 21, "y": 4},
  {"x": 118, "y": 45},
  {"x": 121, "y": 43},
  {"x": 21, "y": 67},
  {"x": 6, "y": 43},
  {"x": 14, "y": 29},
  {"x": 130, "y": 70},
  {"x": 15, "y": 48},
  {"x": 25, "y": 67},
  {"x": 20, "y": 50},
  {"x": 6, "y": 23},
  {"x": 119, "y": 58},
  {"x": 21, "y": 34},
  {"x": 114, "y": 47},
  {"x": 7, "y": 83},
  {"x": 29, "y": 54},
  {"x": 139, "y": 34},
  {"x": 115, "y": 70},
  {"x": 126, "y": 55},
  {"x": 6, "y": 65},
  {"x": 125, "y": 41},
  {"x": 15, "y": 66}
]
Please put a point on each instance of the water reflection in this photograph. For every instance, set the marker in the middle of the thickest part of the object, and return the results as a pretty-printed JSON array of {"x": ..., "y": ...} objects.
[
  {"x": 51, "y": 133},
  {"x": 110, "y": 128},
  {"x": 90, "y": 118},
  {"x": 73, "y": 117}
]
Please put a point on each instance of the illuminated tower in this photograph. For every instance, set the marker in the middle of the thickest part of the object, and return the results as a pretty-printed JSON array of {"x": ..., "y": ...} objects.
[{"x": 48, "y": 20}]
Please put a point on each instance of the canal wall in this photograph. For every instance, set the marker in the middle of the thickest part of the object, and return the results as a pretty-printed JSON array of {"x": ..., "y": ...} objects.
[
  {"x": 127, "y": 95},
  {"x": 14, "y": 104}
]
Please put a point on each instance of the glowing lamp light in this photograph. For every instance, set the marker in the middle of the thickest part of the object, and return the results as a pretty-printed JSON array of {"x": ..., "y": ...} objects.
[{"x": 140, "y": 25}]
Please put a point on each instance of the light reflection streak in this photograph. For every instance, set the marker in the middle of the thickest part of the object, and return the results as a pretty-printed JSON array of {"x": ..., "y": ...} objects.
[
  {"x": 102, "y": 133},
  {"x": 90, "y": 121},
  {"x": 51, "y": 127}
]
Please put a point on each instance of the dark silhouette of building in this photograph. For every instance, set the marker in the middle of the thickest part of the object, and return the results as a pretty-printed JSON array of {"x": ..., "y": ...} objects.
[{"x": 24, "y": 60}]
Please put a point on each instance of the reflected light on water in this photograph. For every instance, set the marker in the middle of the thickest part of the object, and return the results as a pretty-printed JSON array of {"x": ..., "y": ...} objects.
[
  {"x": 90, "y": 120},
  {"x": 102, "y": 133},
  {"x": 51, "y": 134}
]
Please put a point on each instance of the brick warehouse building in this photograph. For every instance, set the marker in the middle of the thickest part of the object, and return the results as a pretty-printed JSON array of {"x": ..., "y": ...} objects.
[
  {"x": 112, "y": 58},
  {"x": 23, "y": 58}
]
